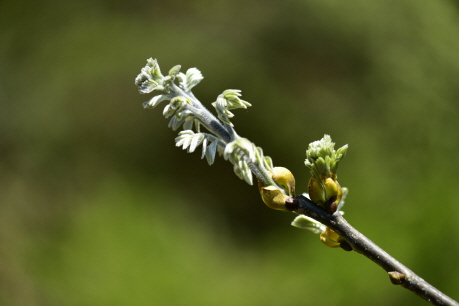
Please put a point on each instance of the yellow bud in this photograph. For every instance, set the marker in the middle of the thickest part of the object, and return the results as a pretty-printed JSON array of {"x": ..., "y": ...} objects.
[
  {"x": 316, "y": 192},
  {"x": 396, "y": 278},
  {"x": 274, "y": 197},
  {"x": 284, "y": 178},
  {"x": 330, "y": 238},
  {"x": 328, "y": 196}
]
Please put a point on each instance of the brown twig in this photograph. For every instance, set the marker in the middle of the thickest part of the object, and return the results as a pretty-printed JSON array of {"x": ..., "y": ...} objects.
[{"x": 356, "y": 241}]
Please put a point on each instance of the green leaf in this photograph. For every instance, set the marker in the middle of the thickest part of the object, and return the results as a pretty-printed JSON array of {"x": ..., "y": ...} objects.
[
  {"x": 195, "y": 142},
  {"x": 153, "y": 102},
  {"x": 308, "y": 223},
  {"x": 204, "y": 148},
  {"x": 188, "y": 124},
  {"x": 210, "y": 153},
  {"x": 189, "y": 80},
  {"x": 229, "y": 99}
]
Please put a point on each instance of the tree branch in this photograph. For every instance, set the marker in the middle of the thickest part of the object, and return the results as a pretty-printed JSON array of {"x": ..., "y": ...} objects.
[
  {"x": 354, "y": 240},
  {"x": 276, "y": 184}
]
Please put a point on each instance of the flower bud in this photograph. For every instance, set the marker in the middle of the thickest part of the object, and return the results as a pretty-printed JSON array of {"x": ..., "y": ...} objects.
[
  {"x": 330, "y": 238},
  {"x": 322, "y": 160},
  {"x": 285, "y": 179},
  {"x": 273, "y": 196},
  {"x": 328, "y": 196}
]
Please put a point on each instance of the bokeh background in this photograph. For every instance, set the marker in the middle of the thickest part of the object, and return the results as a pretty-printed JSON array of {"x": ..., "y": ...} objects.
[{"x": 98, "y": 207}]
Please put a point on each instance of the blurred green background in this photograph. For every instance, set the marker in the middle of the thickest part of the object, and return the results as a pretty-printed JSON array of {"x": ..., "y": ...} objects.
[{"x": 98, "y": 207}]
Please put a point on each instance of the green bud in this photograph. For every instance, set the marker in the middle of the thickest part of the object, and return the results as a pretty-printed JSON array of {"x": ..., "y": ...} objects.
[
  {"x": 322, "y": 160},
  {"x": 327, "y": 193},
  {"x": 174, "y": 71},
  {"x": 273, "y": 196},
  {"x": 330, "y": 238},
  {"x": 150, "y": 77}
]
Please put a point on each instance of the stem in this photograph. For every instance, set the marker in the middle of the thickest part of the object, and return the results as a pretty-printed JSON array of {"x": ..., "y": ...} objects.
[
  {"x": 262, "y": 174},
  {"x": 367, "y": 248},
  {"x": 204, "y": 115},
  {"x": 350, "y": 239},
  {"x": 232, "y": 133},
  {"x": 223, "y": 131},
  {"x": 210, "y": 123}
]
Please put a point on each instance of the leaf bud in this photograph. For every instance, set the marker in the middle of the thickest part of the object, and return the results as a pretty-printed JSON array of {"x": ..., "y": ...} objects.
[
  {"x": 273, "y": 196},
  {"x": 330, "y": 238},
  {"x": 327, "y": 195},
  {"x": 322, "y": 160}
]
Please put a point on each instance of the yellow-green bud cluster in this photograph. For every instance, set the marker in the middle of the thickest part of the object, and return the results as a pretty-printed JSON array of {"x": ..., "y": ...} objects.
[{"x": 322, "y": 159}]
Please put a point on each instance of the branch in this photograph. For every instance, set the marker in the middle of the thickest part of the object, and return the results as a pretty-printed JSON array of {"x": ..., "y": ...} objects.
[
  {"x": 356, "y": 241},
  {"x": 276, "y": 184}
]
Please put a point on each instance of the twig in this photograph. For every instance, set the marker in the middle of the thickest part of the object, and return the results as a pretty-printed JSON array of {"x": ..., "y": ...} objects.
[
  {"x": 276, "y": 184},
  {"x": 356, "y": 241}
]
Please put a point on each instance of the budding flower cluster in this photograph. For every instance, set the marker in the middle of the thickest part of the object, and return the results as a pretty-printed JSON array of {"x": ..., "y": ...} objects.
[
  {"x": 150, "y": 77},
  {"x": 322, "y": 160}
]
